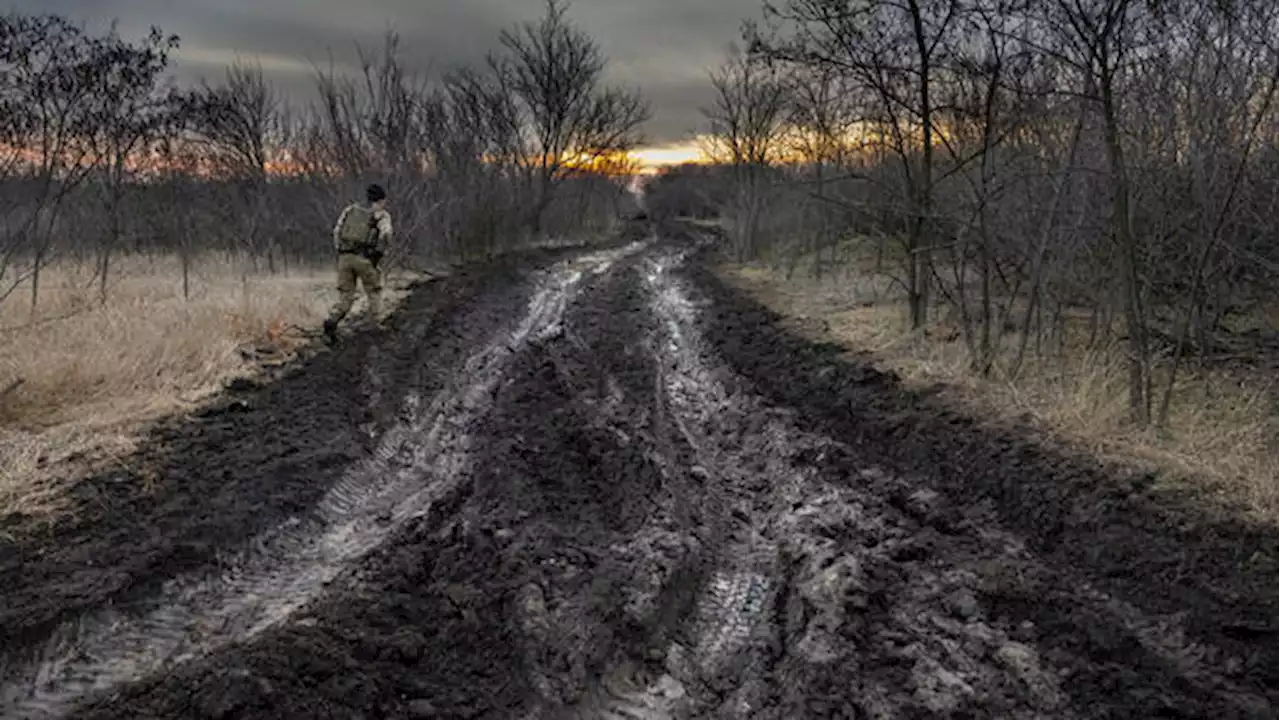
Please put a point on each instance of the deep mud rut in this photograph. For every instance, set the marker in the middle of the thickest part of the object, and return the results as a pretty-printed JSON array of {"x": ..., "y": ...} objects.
[{"x": 605, "y": 486}]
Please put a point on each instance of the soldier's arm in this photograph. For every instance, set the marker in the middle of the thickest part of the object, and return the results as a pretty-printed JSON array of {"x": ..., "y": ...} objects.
[
  {"x": 337, "y": 227},
  {"x": 384, "y": 227}
]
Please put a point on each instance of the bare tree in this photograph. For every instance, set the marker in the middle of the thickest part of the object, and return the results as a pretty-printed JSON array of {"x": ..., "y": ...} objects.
[
  {"x": 128, "y": 110},
  {"x": 380, "y": 123},
  {"x": 50, "y": 79},
  {"x": 478, "y": 144},
  {"x": 237, "y": 121},
  {"x": 175, "y": 183},
  {"x": 1227, "y": 95},
  {"x": 472, "y": 159},
  {"x": 1037, "y": 159},
  {"x": 821, "y": 115},
  {"x": 994, "y": 89},
  {"x": 747, "y": 128},
  {"x": 555, "y": 72},
  {"x": 894, "y": 51},
  {"x": 1099, "y": 40}
]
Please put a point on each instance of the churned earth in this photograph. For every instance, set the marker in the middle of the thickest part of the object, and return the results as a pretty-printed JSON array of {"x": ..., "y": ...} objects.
[{"x": 601, "y": 484}]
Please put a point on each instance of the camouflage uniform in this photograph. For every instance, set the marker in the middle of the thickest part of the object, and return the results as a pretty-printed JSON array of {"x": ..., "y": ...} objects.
[{"x": 354, "y": 267}]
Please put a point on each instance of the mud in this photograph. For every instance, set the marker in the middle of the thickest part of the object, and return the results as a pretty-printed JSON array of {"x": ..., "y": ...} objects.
[
  {"x": 244, "y": 464},
  {"x": 1158, "y": 605},
  {"x": 607, "y": 486}
]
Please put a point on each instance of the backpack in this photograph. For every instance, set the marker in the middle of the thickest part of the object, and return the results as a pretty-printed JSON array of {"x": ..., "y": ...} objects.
[{"x": 359, "y": 228}]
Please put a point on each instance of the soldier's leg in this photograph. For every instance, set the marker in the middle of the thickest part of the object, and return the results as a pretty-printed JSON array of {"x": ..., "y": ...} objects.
[
  {"x": 371, "y": 279},
  {"x": 347, "y": 274}
]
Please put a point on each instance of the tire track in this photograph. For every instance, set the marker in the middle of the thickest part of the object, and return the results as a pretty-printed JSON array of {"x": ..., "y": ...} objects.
[
  {"x": 633, "y": 532},
  {"x": 732, "y": 626},
  {"x": 874, "y": 599},
  {"x": 788, "y": 589},
  {"x": 417, "y": 461},
  {"x": 836, "y": 589},
  {"x": 707, "y": 643},
  {"x": 613, "y": 495}
]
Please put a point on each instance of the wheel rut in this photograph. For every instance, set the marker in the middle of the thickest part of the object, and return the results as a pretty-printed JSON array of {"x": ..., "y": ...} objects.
[
  {"x": 596, "y": 516},
  {"x": 415, "y": 463}
]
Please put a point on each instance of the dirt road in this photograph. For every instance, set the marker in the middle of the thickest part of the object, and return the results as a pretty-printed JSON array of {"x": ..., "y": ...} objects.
[{"x": 600, "y": 484}]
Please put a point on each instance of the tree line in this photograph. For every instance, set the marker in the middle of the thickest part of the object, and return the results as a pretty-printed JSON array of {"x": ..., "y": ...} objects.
[
  {"x": 1011, "y": 164},
  {"x": 101, "y": 152}
]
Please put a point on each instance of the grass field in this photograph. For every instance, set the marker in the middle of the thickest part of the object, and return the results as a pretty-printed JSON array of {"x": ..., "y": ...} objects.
[{"x": 83, "y": 377}]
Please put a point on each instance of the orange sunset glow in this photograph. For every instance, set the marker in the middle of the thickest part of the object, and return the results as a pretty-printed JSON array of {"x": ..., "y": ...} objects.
[{"x": 651, "y": 159}]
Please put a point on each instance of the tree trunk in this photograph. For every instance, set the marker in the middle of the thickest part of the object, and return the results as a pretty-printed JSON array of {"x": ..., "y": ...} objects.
[
  {"x": 35, "y": 283},
  {"x": 915, "y": 280},
  {"x": 104, "y": 270},
  {"x": 113, "y": 237},
  {"x": 921, "y": 238},
  {"x": 1037, "y": 263},
  {"x": 1130, "y": 265},
  {"x": 184, "y": 253}
]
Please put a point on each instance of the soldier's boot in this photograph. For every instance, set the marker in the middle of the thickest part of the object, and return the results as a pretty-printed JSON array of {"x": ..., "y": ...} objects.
[{"x": 340, "y": 310}]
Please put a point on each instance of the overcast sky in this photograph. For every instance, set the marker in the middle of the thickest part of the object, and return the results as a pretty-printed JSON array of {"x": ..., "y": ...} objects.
[{"x": 662, "y": 47}]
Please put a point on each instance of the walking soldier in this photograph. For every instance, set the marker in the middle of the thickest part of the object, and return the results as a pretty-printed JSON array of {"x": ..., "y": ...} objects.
[{"x": 360, "y": 237}]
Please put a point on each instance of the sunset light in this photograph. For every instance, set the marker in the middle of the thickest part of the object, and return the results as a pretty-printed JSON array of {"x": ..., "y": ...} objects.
[{"x": 658, "y": 156}]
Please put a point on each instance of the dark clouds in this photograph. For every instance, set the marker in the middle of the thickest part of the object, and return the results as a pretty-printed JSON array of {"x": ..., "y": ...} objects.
[{"x": 662, "y": 47}]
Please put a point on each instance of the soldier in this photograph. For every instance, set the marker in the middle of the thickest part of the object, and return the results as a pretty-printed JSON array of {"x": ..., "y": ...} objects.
[{"x": 360, "y": 237}]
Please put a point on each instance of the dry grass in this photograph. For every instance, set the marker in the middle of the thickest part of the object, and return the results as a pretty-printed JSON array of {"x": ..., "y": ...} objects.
[
  {"x": 1222, "y": 428},
  {"x": 93, "y": 374}
]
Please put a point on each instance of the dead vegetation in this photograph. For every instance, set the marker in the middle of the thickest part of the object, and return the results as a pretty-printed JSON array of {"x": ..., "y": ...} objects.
[
  {"x": 147, "y": 345},
  {"x": 88, "y": 376},
  {"x": 1219, "y": 441}
]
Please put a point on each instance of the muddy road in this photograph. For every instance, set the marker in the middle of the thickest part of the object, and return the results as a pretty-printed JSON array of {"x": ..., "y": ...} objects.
[{"x": 600, "y": 484}]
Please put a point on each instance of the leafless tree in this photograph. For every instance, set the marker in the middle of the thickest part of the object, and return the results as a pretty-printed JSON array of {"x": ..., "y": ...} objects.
[
  {"x": 47, "y": 78},
  {"x": 175, "y": 177},
  {"x": 128, "y": 111},
  {"x": 894, "y": 51},
  {"x": 747, "y": 127},
  {"x": 235, "y": 119},
  {"x": 238, "y": 121},
  {"x": 473, "y": 159},
  {"x": 478, "y": 145},
  {"x": 1039, "y": 158},
  {"x": 554, "y": 70},
  {"x": 1099, "y": 39},
  {"x": 1222, "y": 91}
]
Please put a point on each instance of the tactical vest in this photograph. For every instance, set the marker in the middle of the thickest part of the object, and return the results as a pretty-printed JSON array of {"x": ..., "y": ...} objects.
[{"x": 359, "y": 229}]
